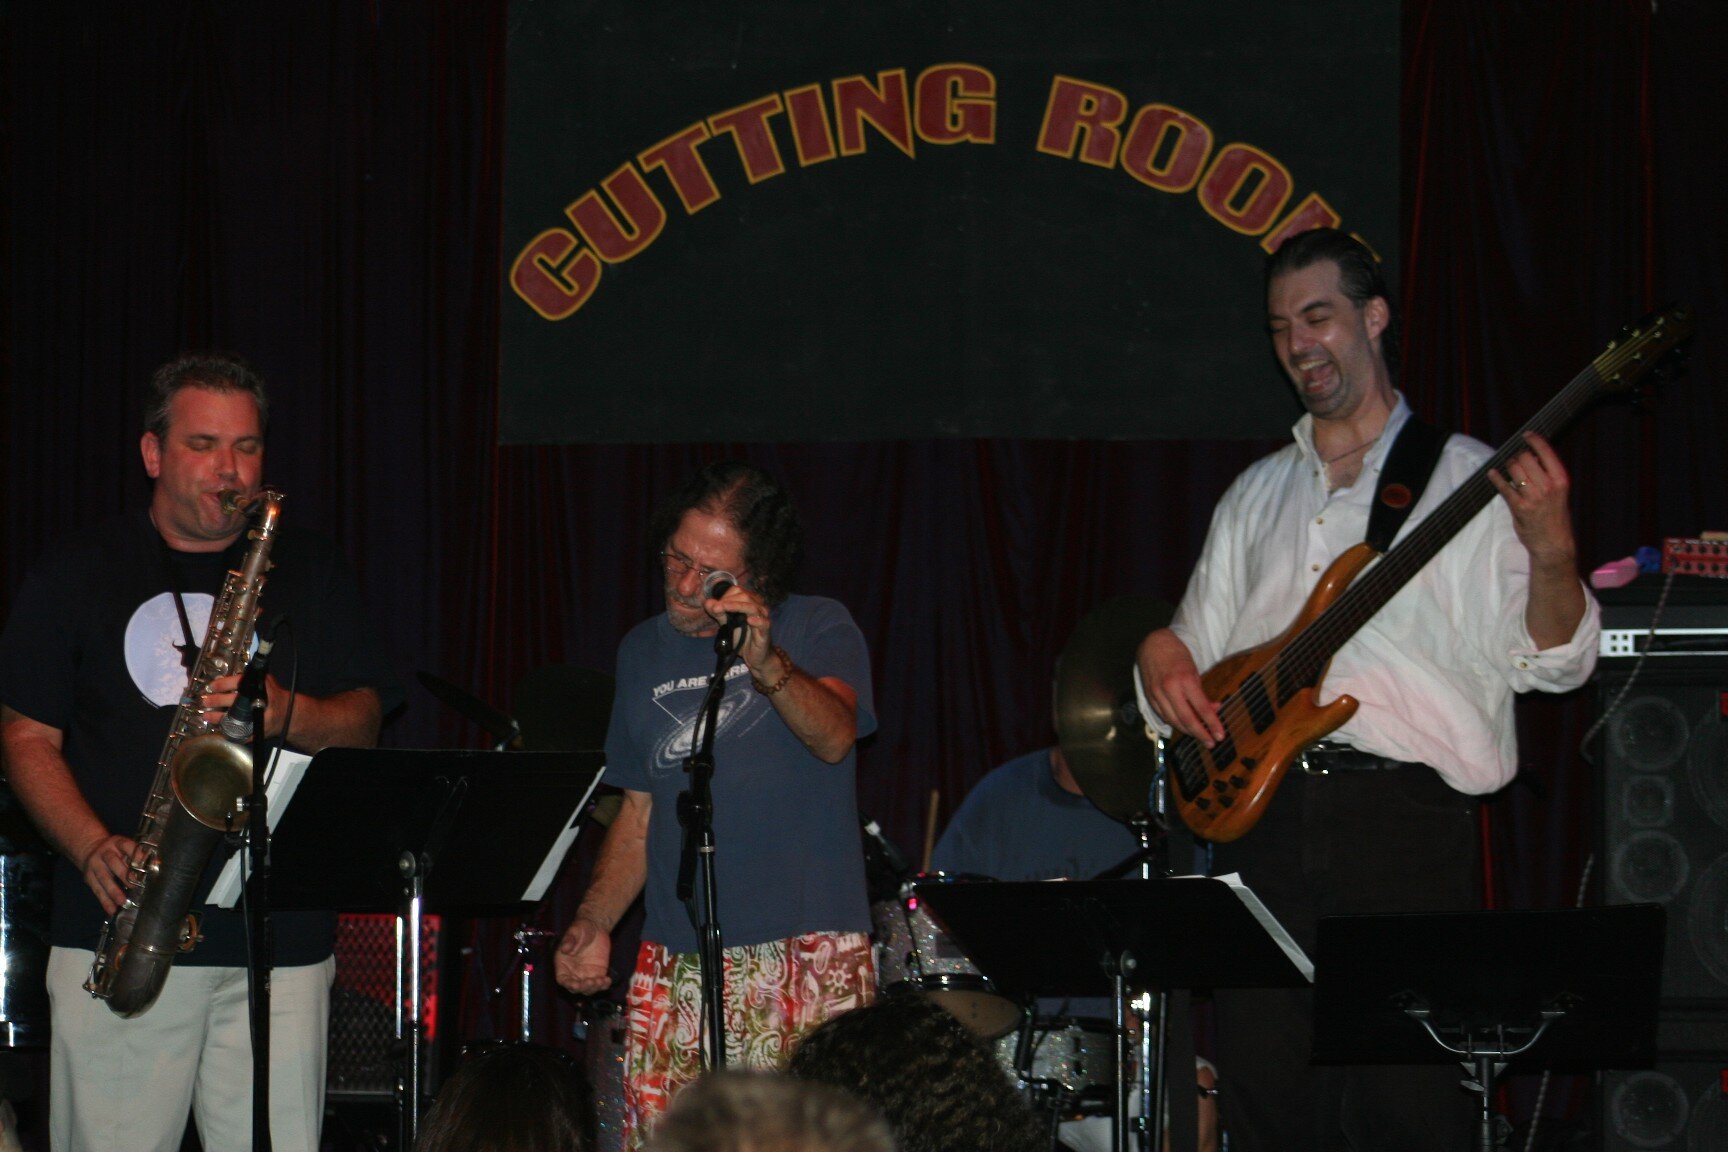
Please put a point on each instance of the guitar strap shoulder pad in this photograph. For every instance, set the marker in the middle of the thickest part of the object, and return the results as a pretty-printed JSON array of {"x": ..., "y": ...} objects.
[{"x": 1409, "y": 465}]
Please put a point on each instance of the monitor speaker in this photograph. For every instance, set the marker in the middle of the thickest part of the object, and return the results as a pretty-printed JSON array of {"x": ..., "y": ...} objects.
[
  {"x": 1664, "y": 823},
  {"x": 364, "y": 1052}
]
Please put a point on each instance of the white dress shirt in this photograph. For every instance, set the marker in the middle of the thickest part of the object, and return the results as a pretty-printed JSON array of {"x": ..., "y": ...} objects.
[{"x": 1436, "y": 668}]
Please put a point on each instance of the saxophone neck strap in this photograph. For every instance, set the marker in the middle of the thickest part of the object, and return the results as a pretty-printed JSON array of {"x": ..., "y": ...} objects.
[{"x": 191, "y": 648}]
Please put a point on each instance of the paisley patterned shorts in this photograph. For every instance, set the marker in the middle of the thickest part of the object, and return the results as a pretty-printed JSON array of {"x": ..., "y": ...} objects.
[{"x": 775, "y": 993}]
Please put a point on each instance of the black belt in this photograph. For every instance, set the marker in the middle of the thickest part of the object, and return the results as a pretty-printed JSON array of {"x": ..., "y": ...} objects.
[{"x": 1324, "y": 758}]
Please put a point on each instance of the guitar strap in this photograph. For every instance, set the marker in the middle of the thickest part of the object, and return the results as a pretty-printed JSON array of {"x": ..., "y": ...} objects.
[{"x": 1409, "y": 465}]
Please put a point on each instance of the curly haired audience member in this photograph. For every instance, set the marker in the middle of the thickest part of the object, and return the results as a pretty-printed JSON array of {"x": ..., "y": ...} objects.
[
  {"x": 744, "y": 1111},
  {"x": 937, "y": 1084},
  {"x": 512, "y": 1098}
]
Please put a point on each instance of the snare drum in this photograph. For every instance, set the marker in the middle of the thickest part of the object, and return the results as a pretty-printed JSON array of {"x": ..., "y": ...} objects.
[
  {"x": 1075, "y": 1058},
  {"x": 914, "y": 954}
]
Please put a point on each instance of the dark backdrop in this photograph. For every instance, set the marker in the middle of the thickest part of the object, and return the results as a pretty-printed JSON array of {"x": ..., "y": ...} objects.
[
  {"x": 317, "y": 186},
  {"x": 964, "y": 290}
]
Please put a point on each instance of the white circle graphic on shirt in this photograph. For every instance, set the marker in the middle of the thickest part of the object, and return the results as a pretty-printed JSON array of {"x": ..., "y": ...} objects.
[
  {"x": 741, "y": 709},
  {"x": 151, "y": 635}
]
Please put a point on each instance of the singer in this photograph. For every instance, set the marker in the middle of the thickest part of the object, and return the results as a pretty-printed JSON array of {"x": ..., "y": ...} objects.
[{"x": 787, "y": 854}]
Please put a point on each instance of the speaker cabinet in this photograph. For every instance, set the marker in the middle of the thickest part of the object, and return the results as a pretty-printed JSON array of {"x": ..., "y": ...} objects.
[
  {"x": 1664, "y": 823},
  {"x": 364, "y": 1050},
  {"x": 1679, "y": 1105}
]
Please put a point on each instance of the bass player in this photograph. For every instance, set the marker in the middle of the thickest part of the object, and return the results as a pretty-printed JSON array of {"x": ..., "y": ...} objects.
[{"x": 1385, "y": 820}]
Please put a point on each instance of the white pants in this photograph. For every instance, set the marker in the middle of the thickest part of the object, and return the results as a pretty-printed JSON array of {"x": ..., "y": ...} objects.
[{"x": 129, "y": 1084}]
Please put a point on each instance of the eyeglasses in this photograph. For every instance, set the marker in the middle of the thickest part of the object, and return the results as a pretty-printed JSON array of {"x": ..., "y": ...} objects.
[{"x": 677, "y": 566}]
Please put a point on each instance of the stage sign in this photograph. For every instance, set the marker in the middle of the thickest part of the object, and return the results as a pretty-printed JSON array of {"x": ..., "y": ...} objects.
[{"x": 774, "y": 221}]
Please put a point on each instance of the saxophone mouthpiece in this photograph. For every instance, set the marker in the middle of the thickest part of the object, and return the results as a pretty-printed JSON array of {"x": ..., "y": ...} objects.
[{"x": 232, "y": 502}]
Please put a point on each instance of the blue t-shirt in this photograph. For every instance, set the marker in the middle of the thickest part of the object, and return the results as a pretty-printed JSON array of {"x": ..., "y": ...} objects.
[
  {"x": 787, "y": 854},
  {"x": 1019, "y": 824}
]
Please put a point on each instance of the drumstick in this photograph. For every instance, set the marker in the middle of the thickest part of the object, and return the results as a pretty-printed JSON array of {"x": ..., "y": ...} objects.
[{"x": 930, "y": 828}]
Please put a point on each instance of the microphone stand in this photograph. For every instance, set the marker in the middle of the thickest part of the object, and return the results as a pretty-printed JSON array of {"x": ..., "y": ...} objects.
[
  {"x": 696, "y": 814},
  {"x": 263, "y": 951}
]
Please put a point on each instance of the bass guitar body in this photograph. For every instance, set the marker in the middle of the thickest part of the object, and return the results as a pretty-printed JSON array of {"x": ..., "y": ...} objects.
[{"x": 1221, "y": 791}]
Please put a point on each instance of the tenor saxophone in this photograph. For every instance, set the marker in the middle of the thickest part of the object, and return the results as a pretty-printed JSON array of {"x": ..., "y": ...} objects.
[{"x": 197, "y": 798}]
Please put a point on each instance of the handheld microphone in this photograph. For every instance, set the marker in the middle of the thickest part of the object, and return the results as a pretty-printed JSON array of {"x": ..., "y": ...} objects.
[
  {"x": 237, "y": 724},
  {"x": 715, "y": 585}
]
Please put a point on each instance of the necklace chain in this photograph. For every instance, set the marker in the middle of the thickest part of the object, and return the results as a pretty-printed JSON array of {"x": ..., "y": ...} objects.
[{"x": 1351, "y": 452}]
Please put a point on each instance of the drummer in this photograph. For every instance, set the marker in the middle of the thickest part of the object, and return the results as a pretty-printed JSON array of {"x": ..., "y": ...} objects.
[{"x": 1029, "y": 820}]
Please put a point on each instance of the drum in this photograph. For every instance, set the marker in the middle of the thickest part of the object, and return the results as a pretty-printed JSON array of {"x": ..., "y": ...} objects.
[
  {"x": 1075, "y": 1059},
  {"x": 913, "y": 953},
  {"x": 601, "y": 1029}
]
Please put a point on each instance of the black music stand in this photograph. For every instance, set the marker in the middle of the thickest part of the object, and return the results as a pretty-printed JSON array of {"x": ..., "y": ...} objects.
[
  {"x": 1577, "y": 986},
  {"x": 1103, "y": 937},
  {"x": 418, "y": 832}
]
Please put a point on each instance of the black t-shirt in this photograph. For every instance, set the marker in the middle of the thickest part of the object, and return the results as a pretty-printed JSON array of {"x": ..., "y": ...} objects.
[{"x": 90, "y": 650}]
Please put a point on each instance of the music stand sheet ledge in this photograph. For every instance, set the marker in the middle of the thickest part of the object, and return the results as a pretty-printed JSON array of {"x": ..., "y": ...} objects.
[
  {"x": 1475, "y": 970},
  {"x": 1054, "y": 937},
  {"x": 357, "y": 810}
]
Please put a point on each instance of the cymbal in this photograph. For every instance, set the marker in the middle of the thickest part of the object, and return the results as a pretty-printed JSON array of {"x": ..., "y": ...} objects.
[
  {"x": 563, "y": 708},
  {"x": 499, "y": 726},
  {"x": 566, "y": 709},
  {"x": 1098, "y": 724}
]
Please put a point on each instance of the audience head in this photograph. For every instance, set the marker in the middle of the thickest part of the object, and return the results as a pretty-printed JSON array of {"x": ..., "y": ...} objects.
[
  {"x": 937, "y": 1084},
  {"x": 767, "y": 1112},
  {"x": 512, "y": 1098}
]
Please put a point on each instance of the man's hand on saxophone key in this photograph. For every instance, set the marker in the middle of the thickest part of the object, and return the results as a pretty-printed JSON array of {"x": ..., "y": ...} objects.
[{"x": 104, "y": 864}]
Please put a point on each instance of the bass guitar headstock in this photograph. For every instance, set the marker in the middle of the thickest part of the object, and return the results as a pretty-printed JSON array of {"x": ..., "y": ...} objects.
[{"x": 1652, "y": 345}]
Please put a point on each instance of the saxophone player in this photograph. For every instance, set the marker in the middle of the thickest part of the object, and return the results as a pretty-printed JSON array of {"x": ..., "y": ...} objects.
[{"x": 94, "y": 662}]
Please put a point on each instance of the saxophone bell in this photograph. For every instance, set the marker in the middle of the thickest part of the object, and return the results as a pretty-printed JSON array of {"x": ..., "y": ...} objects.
[{"x": 212, "y": 777}]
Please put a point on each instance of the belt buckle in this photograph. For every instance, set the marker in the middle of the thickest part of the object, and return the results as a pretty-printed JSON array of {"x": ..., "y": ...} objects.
[{"x": 1312, "y": 769}]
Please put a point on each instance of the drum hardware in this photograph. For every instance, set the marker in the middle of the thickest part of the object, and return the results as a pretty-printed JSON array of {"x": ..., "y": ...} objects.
[
  {"x": 1098, "y": 723},
  {"x": 1063, "y": 1064},
  {"x": 26, "y": 888},
  {"x": 503, "y": 729},
  {"x": 600, "y": 1026},
  {"x": 915, "y": 954},
  {"x": 1119, "y": 764},
  {"x": 558, "y": 708},
  {"x": 1113, "y": 936},
  {"x": 563, "y": 708},
  {"x": 523, "y": 960}
]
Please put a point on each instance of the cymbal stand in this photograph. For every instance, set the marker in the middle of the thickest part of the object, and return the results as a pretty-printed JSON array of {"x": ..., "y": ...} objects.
[
  {"x": 1152, "y": 825},
  {"x": 1154, "y": 854},
  {"x": 524, "y": 960}
]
